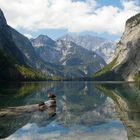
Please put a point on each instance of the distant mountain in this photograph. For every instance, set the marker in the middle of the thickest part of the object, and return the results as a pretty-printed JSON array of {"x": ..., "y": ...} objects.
[
  {"x": 42, "y": 40},
  {"x": 126, "y": 65},
  {"x": 103, "y": 47},
  {"x": 43, "y": 58},
  {"x": 45, "y": 47},
  {"x": 33, "y": 59},
  {"x": 74, "y": 56},
  {"x": 76, "y": 60},
  {"x": 25, "y": 46}
]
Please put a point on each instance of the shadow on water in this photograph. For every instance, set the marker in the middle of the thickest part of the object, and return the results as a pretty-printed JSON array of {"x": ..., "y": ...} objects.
[{"x": 85, "y": 111}]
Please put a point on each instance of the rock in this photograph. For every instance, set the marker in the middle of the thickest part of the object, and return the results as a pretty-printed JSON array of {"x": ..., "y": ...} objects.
[{"x": 126, "y": 65}]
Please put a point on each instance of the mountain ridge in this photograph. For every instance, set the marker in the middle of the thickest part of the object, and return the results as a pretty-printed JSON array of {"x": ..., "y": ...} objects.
[
  {"x": 69, "y": 55},
  {"x": 103, "y": 47}
]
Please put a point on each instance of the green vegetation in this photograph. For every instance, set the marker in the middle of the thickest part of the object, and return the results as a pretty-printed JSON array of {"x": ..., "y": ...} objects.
[
  {"x": 25, "y": 89},
  {"x": 12, "y": 70},
  {"x": 137, "y": 77},
  {"x": 30, "y": 74},
  {"x": 108, "y": 92},
  {"x": 106, "y": 69},
  {"x": 56, "y": 78}
]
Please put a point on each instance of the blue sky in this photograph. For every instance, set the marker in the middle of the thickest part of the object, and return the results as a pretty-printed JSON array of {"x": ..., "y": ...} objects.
[
  {"x": 110, "y": 2},
  {"x": 104, "y": 18},
  {"x": 56, "y": 33}
]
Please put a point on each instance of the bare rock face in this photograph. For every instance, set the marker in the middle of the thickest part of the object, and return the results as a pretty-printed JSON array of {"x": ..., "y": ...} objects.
[
  {"x": 128, "y": 49},
  {"x": 126, "y": 65}
]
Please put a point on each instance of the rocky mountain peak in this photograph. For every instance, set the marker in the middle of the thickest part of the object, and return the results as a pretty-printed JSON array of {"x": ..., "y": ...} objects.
[
  {"x": 64, "y": 42},
  {"x": 45, "y": 37},
  {"x": 133, "y": 21},
  {"x": 42, "y": 40},
  {"x": 3, "y": 21}
]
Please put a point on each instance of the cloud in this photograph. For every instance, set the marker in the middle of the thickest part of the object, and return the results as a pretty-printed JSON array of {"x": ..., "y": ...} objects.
[
  {"x": 73, "y": 15},
  {"x": 28, "y": 35}
]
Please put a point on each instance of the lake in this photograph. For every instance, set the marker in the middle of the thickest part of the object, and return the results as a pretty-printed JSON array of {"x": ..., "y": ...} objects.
[{"x": 85, "y": 111}]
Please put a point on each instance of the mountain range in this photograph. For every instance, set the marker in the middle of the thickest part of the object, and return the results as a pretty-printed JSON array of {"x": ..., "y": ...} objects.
[
  {"x": 70, "y": 56},
  {"x": 103, "y": 47},
  {"x": 18, "y": 59},
  {"x": 44, "y": 58},
  {"x": 76, "y": 60}
]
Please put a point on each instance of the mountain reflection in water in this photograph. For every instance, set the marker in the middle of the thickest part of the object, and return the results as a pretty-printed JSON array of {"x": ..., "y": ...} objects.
[{"x": 85, "y": 111}]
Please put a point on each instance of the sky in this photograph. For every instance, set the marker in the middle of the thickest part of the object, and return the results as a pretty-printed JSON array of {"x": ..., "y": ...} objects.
[{"x": 55, "y": 18}]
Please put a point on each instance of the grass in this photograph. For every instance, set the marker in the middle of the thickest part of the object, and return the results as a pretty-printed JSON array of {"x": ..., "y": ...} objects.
[
  {"x": 108, "y": 92},
  {"x": 106, "y": 69},
  {"x": 137, "y": 77},
  {"x": 30, "y": 74},
  {"x": 26, "y": 89}
]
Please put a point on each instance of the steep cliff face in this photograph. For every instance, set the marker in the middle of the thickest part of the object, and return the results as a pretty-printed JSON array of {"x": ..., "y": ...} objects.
[
  {"x": 128, "y": 50},
  {"x": 126, "y": 65},
  {"x": 10, "y": 55},
  {"x": 7, "y": 44}
]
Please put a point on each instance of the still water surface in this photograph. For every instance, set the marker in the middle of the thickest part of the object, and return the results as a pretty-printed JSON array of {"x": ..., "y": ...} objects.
[{"x": 85, "y": 111}]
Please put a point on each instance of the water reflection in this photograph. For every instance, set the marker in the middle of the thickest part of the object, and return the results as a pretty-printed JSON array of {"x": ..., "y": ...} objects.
[
  {"x": 127, "y": 100},
  {"x": 85, "y": 111},
  {"x": 113, "y": 130}
]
